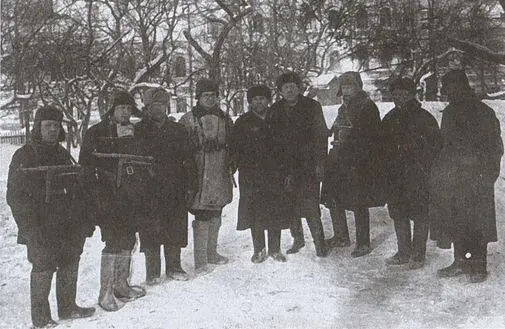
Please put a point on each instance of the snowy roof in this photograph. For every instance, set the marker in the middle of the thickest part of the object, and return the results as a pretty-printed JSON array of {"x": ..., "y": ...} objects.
[{"x": 323, "y": 80}]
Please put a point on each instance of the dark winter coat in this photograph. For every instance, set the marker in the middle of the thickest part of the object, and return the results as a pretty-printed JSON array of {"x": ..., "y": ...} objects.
[
  {"x": 463, "y": 176},
  {"x": 353, "y": 171},
  {"x": 174, "y": 177},
  {"x": 411, "y": 142},
  {"x": 262, "y": 199},
  {"x": 114, "y": 207},
  {"x": 300, "y": 136},
  {"x": 209, "y": 132},
  {"x": 53, "y": 226}
]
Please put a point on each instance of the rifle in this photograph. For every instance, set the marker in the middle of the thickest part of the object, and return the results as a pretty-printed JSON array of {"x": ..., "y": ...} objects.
[
  {"x": 52, "y": 171},
  {"x": 129, "y": 159}
]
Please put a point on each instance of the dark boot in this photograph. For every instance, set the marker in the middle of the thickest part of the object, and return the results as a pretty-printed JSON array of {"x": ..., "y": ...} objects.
[
  {"x": 340, "y": 230},
  {"x": 40, "y": 286},
  {"x": 362, "y": 220},
  {"x": 200, "y": 242},
  {"x": 259, "y": 256},
  {"x": 418, "y": 253},
  {"x": 213, "y": 257},
  {"x": 403, "y": 238},
  {"x": 107, "y": 300},
  {"x": 296, "y": 229},
  {"x": 316, "y": 229},
  {"x": 66, "y": 288},
  {"x": 122, "y": 288},
  {"x": 173, "y": 267},
  {"x": 478, "y": 262},
  {"x": 458, "y": 266},
  {"x": 153, "y": 265}
]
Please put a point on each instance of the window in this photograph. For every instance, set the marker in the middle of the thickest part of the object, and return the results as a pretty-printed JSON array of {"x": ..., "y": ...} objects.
[{"x": 180, "y": 66}]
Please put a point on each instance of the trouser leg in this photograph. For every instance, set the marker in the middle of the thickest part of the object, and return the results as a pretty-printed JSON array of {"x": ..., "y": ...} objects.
[
  {"x": 316, "y": 229},
  {"x": 40, "y": 286},
  {"x": 213, "y": 257},
  {"x": 274, "y": 241},
  {"x": 403, "y": 237},
  {"x": 296, "y": 230},
  {"x": 419, "y": 239},
  {"x": 107, "y": 299},
  {"x": 339, "y": 221},
  {"x": 153, "y": 264},
  {"x": 258, "y": 238},
  {"x": 362, "y": 220}
]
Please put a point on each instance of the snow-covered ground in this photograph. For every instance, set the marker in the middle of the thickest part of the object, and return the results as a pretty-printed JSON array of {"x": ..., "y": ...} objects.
[{"x": 306, "y": 292}]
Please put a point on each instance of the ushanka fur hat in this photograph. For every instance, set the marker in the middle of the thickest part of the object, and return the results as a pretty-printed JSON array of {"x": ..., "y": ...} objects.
[
  {"x": 457, "y": 77},
  {"x": 259, "y": 90},
  {"x": 47, "y": 112},
  {"x": 122, "y": 97},
  {"x": 349, "y": 78},
  {"x": 288, "y": 77},
  {"x": 402, "y": 83},
  {"x": 156, "y": 95},
  {"x": 206, "y": 85}
]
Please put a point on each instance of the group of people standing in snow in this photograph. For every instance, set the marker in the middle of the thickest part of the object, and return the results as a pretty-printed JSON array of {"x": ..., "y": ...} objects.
[{"x": 143, "y": 179}]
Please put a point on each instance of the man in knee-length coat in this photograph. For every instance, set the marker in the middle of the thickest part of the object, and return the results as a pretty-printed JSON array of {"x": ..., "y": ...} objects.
[{"x": 462, "y": 205}]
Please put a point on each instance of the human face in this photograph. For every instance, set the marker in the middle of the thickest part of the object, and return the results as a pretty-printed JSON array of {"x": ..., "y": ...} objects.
[
  {"x": 349, "y": 91},
  {"x": 49, "y": 131},
  {"x": 156, "y": 111},
  {"x": 401, "y": 96},
  {"x": 122, "y": 113},
  {"x": 290, "y": 92},
  {"x": 259, "y": 104},
  {"x": 208, "y": 99}
]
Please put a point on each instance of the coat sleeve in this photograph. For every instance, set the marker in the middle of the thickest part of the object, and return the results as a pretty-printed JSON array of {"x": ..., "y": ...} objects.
[
  {"x": 320, "y": 132},
  {"x": 22, "y": 196},
  {"x": 490, "y": 148}
]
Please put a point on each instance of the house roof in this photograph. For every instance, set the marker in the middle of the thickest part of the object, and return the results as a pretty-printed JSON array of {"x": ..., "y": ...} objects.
[{"x": 322, "y": 81}]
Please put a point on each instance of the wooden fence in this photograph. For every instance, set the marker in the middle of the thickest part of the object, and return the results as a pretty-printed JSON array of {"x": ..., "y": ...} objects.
[{"x": 17, "y": 137}]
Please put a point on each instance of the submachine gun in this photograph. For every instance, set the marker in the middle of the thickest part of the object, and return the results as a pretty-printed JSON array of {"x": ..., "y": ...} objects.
[
  {"x": 128, "y": 159},
  {"x": 52, "y": 171}
]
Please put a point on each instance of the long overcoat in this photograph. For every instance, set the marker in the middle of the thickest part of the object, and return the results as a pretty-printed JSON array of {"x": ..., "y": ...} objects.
[
  {"x": 113, "y": 207},
  {"x": 262, "y": 202},
  {"x": 209, "y": 132},
  {"x": 174, "y": 177},
  {"x": 463, "y": 176},
  {"x": 300, "y": 136},
  {"x": 353, "y": 176},
  {"x": 411, "y": 142},
  {"x": 46, "y": 227}
]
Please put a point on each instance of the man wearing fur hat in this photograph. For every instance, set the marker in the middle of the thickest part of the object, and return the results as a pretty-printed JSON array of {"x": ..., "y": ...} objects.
[
  {"x": 261, "y": 205},
  {"x": 51, "y": 222},
  {"x": 412, "y": 141},
  {"x": 301, "y": 136},
  {"x": 350, "y": 180},
  {"x": 209, "y": 131},
  {"x": 174, "y": 179},
  {"x": 118, "y": 207},
  {"x": 462, "y": 205}
]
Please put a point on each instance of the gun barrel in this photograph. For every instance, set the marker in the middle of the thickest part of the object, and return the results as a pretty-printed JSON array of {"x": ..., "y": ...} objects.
[
  {"x": 125, "y": 156},
  {"x": 58, "y": 168}
]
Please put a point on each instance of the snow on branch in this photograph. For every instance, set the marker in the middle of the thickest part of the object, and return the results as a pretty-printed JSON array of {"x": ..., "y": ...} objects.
[
  {"x": 141, "y": 74},
  {"x": 478, "y": 50}
]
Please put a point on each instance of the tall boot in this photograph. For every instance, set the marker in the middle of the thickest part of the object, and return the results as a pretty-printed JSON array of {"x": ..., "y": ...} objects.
[
  {"x": 40, "y": 286},
  {"x": 458, "y": 266},
  {"x": 362, "y": 220},
  {"x": 403, "y": 240},
  {"x": 153, "y": 265},
  {"x": 340, "y": 229},
  {"x": 296, "y": 230},
  {"x": 107, "y": 300},
  {"x": 420, "y": 236},
  {"x": 316, "y": 229},
  {"x": 213, "y": 257},
  {"x": 66, "y": 289},
  {"x": 200, "y": 243},
  {"x": 122, "y": 288},
  {"x": 173, "y": 267}
]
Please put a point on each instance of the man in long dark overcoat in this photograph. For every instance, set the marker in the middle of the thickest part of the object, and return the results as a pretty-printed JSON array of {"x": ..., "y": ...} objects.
[
  {"x": 412, "y": 141},
  {"x": 354, "y": 163},
  {"x": 53, "y": 227},
  {"x": 262, "y": 205},
  {"x": 300, "y": 135},
  {"x": 462, "y": 205},
  {"x": 174, "y": 179},
  {"x": 117, "y": 208}
]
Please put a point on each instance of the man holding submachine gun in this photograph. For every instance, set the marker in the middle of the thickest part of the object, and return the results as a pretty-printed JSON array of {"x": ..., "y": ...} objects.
[{"x": 116, "y": 179}]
